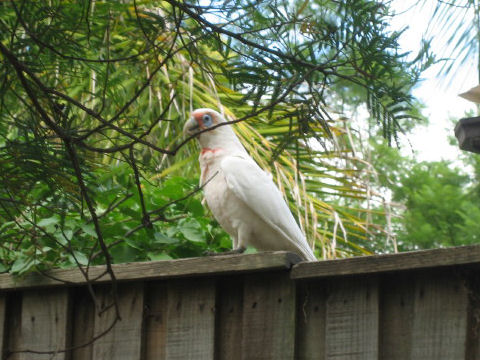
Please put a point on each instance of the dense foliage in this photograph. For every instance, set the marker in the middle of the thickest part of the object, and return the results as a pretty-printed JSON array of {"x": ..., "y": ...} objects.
[
  {"x": 432, "y": 204},
  {"x": 94, "y": 94}
]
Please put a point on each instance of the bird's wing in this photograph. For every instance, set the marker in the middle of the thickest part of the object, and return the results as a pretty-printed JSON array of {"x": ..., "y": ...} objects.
[{"x": 257, "y": 190}]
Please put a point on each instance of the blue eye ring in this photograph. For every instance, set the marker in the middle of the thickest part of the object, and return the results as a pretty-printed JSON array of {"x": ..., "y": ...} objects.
[{"x": 207, "y": 120}]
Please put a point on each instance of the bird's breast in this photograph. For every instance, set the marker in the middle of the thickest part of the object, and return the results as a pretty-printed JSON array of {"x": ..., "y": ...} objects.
[
  {"x": 221, "y": 201},
  {"x": 210, "y": 159},
  {"x": 225, "y": 206}
]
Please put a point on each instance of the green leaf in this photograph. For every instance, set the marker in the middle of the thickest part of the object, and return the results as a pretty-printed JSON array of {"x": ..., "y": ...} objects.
[
  {"x": 81, "y": 257},
  {"x": 226, "y": 242},
  {"x": 48, "y": 221},
  {"x": 6, "y": 225},
  {"x": 68, "y": 234},
  {"x": 21, "y": 265},
  {"x": 195, "y": 207},
  {"x": 173, "y": 188},
  {"x": 158, "y": 256},
  {"x": 89, "y": 229},
  {"x": 163, "y": 239},
  {"x": 123, "y": 253},
  {"x": 250, "y": 250},
  {"x": 192, "y": 231}
]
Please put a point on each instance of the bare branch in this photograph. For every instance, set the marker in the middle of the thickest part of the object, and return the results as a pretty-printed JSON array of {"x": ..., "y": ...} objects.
[{"x": 145, "y": 216}]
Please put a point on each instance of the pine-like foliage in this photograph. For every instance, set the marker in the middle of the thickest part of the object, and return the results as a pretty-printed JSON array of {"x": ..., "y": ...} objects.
[{"x": 94, "y": 94}]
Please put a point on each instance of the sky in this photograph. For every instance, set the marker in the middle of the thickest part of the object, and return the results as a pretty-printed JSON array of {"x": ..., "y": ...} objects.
[{"x": 440, "y": 96}]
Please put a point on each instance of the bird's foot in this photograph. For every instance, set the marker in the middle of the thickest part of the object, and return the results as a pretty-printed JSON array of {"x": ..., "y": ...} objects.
[{"x": 237, "y": 251}]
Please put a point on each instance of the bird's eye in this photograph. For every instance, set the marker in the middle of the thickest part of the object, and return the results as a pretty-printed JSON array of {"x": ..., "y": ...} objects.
[{"x": 207, "y": 120}]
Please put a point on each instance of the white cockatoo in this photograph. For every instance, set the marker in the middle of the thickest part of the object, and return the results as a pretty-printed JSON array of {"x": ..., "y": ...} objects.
[{"x": 241, "y": 196}]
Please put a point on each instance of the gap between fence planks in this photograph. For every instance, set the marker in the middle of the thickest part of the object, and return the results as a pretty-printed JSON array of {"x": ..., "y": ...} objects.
[
  {"x": 385, "y": 263},
  {"x": 209, "y": 265}
]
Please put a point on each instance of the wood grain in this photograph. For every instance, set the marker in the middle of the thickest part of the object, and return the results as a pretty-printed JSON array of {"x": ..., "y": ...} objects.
[
  {"x": 83, "y": 324},
  {"x": 396, "y": 316},
  {"x": 386, "y": 263},
  {"x": 352, "y": 319},
  {"x": 268, "y": 324},
  {"x": 248, "y": 307},
  {"x": 472, "y": 284},
  {"x": 440, "y": 317},
  {"x": 311, "y": 320},
  {"x": 229, "y": 318},
  {"x": 13, "y": 325},
  {"x": 155, "y": 333},
  {"x": 124, "y": 340},
  {"x": 191, "y": 320},
  {"x": 44, "y": 324},
  {"x": 213, "y": 265}
]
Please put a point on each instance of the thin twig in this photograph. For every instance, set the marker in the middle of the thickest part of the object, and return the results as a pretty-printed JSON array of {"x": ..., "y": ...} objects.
[
  {"x": 83, "y": 189},
  {"x": 162, "y": 217},
  {"x": 145, "y": 216},
  {"x": 68, "y": 349},
  {"x": 70, "y": 57}
]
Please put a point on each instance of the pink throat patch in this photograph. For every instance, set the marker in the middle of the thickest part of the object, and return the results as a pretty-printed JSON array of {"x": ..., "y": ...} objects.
[{"x": 209, "y": 150}]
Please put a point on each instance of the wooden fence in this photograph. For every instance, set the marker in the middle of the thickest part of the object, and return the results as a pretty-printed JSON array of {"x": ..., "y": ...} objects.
[{"x": 421, "y": 305}]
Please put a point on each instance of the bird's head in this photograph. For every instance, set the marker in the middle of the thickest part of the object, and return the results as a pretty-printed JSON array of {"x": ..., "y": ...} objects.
[
  {"x": 220, "y": 137},
  {"x": 202, "y": 119}
]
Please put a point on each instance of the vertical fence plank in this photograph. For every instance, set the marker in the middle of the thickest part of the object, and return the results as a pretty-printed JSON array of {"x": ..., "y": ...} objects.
[
  {"x": 191, "y": 319},
  {"x": 83, "y": 324},
  {"x": 44, "y": 324},
  {"x": 155, "y": 321},
  {"x": 396, "y": 316},
  {"x": 13, "y": 325},
  {"x": 352, "y": 319},
  {"x": 311, "y": 313},
  {"x": 418, "y": 315},
  {"x": 124, "y": 340},
  {"x": 3, "y": 304},
  {"x": 440, "y": 317},
  {"x": 471, "y": 278},
  {"x": 229, "y": 319},
  {"x": 268, "y": 317}
]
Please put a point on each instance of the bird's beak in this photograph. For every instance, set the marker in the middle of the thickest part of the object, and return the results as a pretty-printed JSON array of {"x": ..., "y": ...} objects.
[{"x": 190, "y": 127}]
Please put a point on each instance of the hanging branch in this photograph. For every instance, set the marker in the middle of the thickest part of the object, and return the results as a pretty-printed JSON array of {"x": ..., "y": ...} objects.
[
  {"x": 74, "y": 99},
  {"x": 146, "y": 222}
]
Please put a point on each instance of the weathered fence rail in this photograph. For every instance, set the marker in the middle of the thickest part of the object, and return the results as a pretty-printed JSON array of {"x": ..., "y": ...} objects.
[{"x": 421, "y": 305}]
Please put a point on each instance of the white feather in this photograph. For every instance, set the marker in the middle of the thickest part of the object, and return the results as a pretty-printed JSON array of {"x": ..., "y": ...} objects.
[
  {"x": 242, "y": 197},
  {"x": 257, "y": 190}
]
